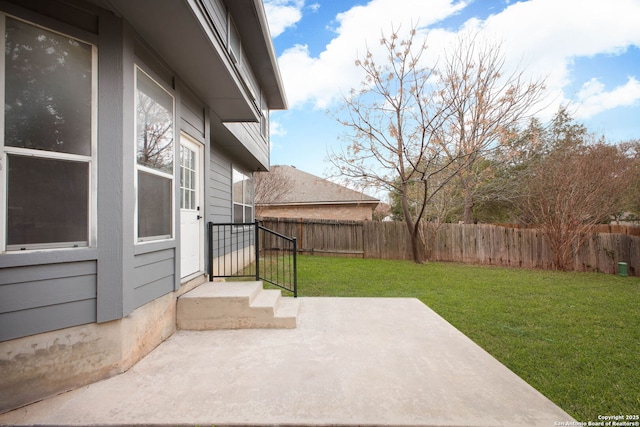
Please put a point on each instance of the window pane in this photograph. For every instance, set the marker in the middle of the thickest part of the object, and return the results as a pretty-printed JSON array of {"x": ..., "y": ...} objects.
[
  {"x": 154, "y": 121},
  {"x": 154, "y": 206},
  {"x": 248, "y": 191},
  {"x": 187, "y": 179},
  {"x": 237, "y": 213},
  {"x": 47, "y": 90},
  {"x": 47, "y": 201},
  {"x": 238, "y": 188},
  {"x": 248, "y": 213}
]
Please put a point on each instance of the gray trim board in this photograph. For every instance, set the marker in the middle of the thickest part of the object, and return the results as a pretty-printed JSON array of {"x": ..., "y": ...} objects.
[
  {"x": 25, "y": 274},
  {"x": 115, "y": 168},
  {"x": 21, "y": 259}
]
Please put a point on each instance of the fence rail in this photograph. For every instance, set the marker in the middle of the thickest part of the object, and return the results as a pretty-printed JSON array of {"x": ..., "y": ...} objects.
[
  {"x": 469, "y": 243},
  {"x": 252, "y": 250}
]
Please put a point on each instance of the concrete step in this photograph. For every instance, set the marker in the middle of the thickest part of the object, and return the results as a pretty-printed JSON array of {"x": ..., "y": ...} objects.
[{"x": 235, "y": 305}]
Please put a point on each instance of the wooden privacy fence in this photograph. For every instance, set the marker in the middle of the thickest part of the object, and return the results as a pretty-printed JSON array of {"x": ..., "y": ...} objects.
[{"x": 469, "y": 243}]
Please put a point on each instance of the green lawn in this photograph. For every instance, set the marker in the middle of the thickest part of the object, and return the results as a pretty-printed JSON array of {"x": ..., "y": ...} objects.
[{"x": 573, "y": 336}]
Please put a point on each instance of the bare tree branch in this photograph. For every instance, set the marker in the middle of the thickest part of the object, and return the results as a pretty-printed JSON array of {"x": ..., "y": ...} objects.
[
  {"x": 412, "y": 129},
  {"x": 486, "y": 103},
  {"x": 270, "y": 187},
  {"x": 391, "y": 122},
  {"x": 572, "y": 189}
]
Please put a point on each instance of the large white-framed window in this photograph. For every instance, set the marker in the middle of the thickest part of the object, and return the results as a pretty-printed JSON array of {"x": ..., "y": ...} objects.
[
  {"x": 155, "y": 137},
  {"x": 242, "y": 193},
  {"x": 48, "y": 137}
]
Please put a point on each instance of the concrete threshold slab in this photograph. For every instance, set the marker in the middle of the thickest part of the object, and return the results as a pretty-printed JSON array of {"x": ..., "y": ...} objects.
[{"x": 350, "y": 361}]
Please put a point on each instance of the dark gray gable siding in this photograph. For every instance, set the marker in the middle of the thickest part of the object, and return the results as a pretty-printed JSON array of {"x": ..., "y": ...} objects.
[
  {"x": 217, "y": 12},
  {"x": 39, "y": 298},
  {"x": 251, "y": 137}
]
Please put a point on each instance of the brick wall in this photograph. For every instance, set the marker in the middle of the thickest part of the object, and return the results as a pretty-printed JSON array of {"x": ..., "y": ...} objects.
[{"x": 334, "y": 212}]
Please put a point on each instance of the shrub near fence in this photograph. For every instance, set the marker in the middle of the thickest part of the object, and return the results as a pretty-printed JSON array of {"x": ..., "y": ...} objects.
[{"x": 468, "y": 243}]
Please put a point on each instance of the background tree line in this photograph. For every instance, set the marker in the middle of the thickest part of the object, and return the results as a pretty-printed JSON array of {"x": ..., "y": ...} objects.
[{"x": 460, "y": 141}]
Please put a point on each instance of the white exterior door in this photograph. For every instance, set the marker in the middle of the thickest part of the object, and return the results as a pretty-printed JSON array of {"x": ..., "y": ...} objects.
[{"x": 191, "y": 231}]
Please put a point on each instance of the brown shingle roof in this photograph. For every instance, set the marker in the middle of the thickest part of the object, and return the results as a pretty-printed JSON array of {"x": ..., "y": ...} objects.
[{"x": 310, "y": 189}]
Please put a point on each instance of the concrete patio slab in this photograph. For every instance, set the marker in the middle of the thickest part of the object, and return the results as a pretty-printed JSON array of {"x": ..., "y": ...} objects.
[{"x": 350, "y": 361}]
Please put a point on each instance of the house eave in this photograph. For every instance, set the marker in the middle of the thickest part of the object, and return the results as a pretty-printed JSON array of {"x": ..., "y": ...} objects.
[
  {"x": 251, "y": 20},
  {"x": 181, "y": 32}
]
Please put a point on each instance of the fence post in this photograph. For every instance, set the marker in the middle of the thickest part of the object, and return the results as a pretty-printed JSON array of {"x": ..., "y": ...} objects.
[
  {"x": 257, "y": 249},
  {"x": 295, "y": 267},
  {"x": 210, "y": 250}
]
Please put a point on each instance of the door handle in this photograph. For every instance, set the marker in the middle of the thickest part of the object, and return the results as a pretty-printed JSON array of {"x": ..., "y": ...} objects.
[{"x": 198, "y": 217}]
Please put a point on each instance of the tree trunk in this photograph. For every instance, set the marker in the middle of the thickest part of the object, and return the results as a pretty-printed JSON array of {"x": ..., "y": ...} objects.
[
  {"x": 416, "y": 247},
  {"x": 468, "y": 207},
  {"x": 412, "y": 227}
]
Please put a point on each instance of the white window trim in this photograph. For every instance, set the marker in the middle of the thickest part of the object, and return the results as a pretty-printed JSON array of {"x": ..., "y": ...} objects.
[
  {"x": 244, "y": 205},
  {"x": 161, "y": 238},
  {"x": 90, "y": 160}
]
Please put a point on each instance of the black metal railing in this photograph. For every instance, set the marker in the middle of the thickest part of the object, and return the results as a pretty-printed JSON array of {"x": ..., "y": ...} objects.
[{"x": 251, "y": 250}]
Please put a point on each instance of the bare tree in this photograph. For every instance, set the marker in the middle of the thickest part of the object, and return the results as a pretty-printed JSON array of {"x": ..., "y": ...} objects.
[
  {"x": 572, "y": 189},
  {"x": 270, "y": 187},
  {"x": 155, "y": 134},
  {"x": 391, "y": 124},
  {"x": 486, "y": 103},
  {"x": 413, "y": 129}
]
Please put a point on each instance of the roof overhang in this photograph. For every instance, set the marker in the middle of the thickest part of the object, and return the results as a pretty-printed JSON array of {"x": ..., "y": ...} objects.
[
  {"x": 251, "y": 21},
  {"x": 181, "y": 32},
  {"x": 231, "y": 141}
]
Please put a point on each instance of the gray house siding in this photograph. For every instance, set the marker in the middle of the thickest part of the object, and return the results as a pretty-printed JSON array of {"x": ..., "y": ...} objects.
[
  {"x": 193, "y": 115},
  {"x": 219, "y": 183},
  {"x": 217, "y": 12},
  {"x": 43, "y": 291},
  {"x": 38, "y": 298},
  {"x": 70, "y": 316},
  {"x": 252, "y": 139},
  {"x": 154, "y": 275},
  {"x": 47, "y": 290}
]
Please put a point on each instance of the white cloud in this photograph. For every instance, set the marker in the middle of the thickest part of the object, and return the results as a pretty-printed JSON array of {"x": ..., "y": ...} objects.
[
  {"x": 282, "y": 14},
  {"x": 594, "y": 99},
  {"x": 543, "y": 37},
  {"x": 322, "y": 79},
  {"x": 276, "y": 128}
]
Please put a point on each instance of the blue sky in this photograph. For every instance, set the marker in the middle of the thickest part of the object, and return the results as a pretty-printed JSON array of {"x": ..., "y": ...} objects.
[{"x": 587, "y": 50}]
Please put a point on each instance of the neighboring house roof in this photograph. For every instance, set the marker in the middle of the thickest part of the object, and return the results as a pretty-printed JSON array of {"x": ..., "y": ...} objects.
[{"x": 308, "y": 189}]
